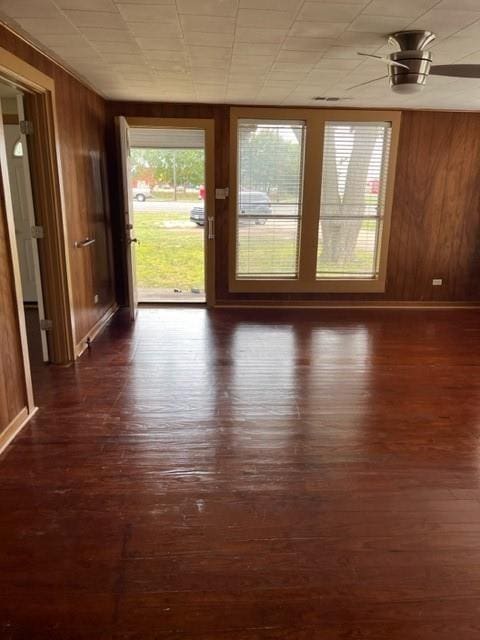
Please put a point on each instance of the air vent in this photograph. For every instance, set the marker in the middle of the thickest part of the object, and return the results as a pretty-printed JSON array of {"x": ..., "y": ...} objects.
[{"x": 328, "y": 98}]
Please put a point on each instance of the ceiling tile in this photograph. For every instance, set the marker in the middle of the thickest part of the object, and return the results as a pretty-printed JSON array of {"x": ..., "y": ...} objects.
[
  {"x": 148, "y": 13},
  {"x": 251, "y": 62},
  {"x": 155, "y": 2},
  {"x": 221, "y": 66},
  {"x": 87, "y": 5},
  {"x": 347, "y": 53},
  {"x": 210, "y": 53},
  {"x": 401, "y": 8},
  {"x": 338, "y": 64},
  {"x": 165, "y": 56},
  {"x": 260, "y": 36},
  {"x": 154, "y": 30},
  {"x": 105, "y": 35},
  {"x": 200, "y": 38},
  {"x": 272, "y": 5},
  {"x": 29, "y": 9},
  {"x": 259, "y": 19},
  {"x": 69, "y": 51},
  {"x": 329, "y": 12},
  {"x": 454, "y": 48},
  {"x": 160, "y": 44},
  {"x": 255, "y": 49},
  {"x": 124, "y": 58},
  {"x": 445, "y": 23},
  {"x": 299, "y": 56},
  {"x": 292, "y": 76},
  {"x": 379, "y": 24},
  {"x": 312, "y": 29},
  {"x": 219, "y": 8},
  {"x": 307, "y": 44},
  {"x": 461, "y": 5},
  {"x": 365, "y": 38},
  {"x": 207, "y": 24},
  {"x": 292, "y": 67},
  {"x": 96, "y": 19},
  {"x": 47, "y": 26},
  {"x": 126, "y": 46},
  {"x": 63, "y": 40}
]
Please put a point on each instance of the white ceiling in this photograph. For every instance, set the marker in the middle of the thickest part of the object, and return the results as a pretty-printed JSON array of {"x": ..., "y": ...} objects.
[{"x": 281, "y": 52}]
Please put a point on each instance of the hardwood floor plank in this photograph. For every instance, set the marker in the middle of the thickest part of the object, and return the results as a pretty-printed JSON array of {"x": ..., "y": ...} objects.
[{"x": 271, "y": 475}]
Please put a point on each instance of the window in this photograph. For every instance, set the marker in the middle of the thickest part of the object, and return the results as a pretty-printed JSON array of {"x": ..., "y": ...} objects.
[
  {"x": 355, "y": 158},
  {"x": 311, "y": 194},
  {"x": 18, "y": 149},
  {"x": 269, "y": 198}
]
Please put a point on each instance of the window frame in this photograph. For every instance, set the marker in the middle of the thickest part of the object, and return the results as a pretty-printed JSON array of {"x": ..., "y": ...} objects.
[{"x": 307, "y": 280}]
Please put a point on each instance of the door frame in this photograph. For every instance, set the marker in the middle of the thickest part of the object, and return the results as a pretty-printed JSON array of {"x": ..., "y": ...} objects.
[
  {"x": 45, "y": 169},
  {"x": 208, "y": 126},
  {"x": 32, "y": 221}
]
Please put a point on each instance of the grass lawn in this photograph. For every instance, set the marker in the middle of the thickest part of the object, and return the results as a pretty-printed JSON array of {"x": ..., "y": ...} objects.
[
  {"x": 168, "y": 257},
  {"x": 165, "y": 195},
  {"x": 171, "y": 256}
]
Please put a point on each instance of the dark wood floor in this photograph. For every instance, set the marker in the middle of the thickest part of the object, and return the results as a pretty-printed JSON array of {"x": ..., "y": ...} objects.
[{"x": 239, "y": 476}]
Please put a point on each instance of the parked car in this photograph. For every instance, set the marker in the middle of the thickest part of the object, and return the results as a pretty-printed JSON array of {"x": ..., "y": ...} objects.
[
  {"x": 197, "y": 215},
  {"x": 140, "y": 194},
  {"x": 251, "y": 203}
]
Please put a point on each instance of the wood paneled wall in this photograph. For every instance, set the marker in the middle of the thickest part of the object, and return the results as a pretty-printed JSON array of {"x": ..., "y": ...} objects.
[
  {"x": 436, "y": 213},
  {"x": 81, "y": 116}
]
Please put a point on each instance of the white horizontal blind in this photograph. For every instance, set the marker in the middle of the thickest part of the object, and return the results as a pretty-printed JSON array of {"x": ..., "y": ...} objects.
[
  {"x": 269, "y": 198},
  {"x": 166, "y": 138},
  {"x": 354, "y": 176}
]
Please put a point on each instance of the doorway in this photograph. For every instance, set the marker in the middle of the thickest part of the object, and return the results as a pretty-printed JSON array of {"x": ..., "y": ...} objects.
[
  {"x": 27, "y": 232},
  {"x": 168, "y": 187}
]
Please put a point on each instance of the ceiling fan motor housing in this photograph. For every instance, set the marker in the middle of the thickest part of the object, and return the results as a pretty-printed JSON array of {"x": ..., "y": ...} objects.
[{"x": 412, "y": 54}]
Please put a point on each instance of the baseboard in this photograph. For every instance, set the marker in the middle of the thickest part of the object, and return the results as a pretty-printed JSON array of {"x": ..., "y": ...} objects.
[
  {"x": 97, "y": 328},
  {"x": 15, "y": 426},
  {"x": 364, "y": 304}
]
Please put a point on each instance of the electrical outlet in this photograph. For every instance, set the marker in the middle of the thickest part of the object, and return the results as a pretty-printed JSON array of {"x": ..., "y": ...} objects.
[
  {"x": 437, "y": 282},
  {"x": 96, "y": 298}
]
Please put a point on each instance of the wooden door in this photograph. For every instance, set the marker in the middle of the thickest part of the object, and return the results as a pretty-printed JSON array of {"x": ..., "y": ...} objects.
[{"x": 130, "y": 239}]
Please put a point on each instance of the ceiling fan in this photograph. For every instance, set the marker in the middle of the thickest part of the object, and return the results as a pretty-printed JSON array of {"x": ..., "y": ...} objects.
[{"x": 409, "y": 68}]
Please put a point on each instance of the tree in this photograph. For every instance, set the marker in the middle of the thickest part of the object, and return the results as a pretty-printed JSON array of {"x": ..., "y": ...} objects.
[
  {"x": 340, "y": 237},
  {"x": 171, "y": 166},
  {"x": 269, "y": 162}
]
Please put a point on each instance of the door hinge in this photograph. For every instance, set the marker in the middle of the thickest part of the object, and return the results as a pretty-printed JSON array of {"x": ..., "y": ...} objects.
[
  {"x": 37, "y": 231},
  {"x": 26, "y": 127},
  {"x": 46, "y": 325}
]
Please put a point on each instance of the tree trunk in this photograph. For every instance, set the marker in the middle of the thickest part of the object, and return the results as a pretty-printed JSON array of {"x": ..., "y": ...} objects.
[
  {"x": 330, "y": 204},
  {"x": 340, "y": 238}
]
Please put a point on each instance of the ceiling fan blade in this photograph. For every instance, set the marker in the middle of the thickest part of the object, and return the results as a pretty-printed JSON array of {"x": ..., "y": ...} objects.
[
  {"x": 456, "y": 70},
  {"x": 391, "y": 63},
  {"x": 362, "y": 84}
]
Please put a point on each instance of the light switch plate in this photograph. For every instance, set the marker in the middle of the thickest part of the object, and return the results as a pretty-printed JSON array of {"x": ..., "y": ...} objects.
[{"x": 437, "y": 282}]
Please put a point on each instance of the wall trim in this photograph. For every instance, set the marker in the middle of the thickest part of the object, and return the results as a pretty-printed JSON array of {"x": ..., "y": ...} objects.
[
  {"x": 97, "y": 328},
  {"x": 15, "y": 426},
  {"x": 367, "y": 304}
]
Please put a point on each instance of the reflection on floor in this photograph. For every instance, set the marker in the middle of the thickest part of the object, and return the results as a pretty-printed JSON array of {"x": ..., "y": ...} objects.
[{"x": 251, "y": 475}]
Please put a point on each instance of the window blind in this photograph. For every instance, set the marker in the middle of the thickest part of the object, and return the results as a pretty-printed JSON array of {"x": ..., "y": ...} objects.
[
  {"x": 270, "y": 160},
  {"x": 354, "y": 178}
]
